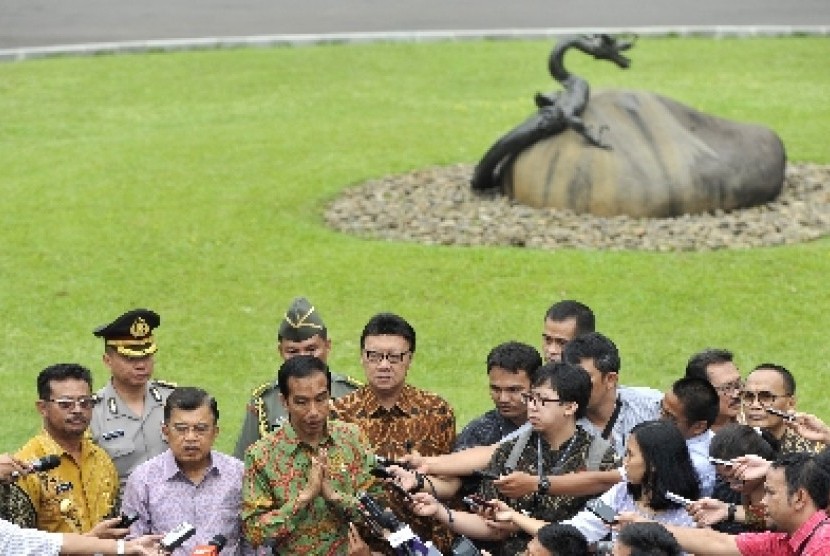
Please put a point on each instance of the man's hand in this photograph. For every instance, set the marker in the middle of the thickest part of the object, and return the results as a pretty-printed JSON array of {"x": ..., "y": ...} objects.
[
  {"x": 624, "y": 518},
  {"x": 108, "y": 529},
  {"x": 148, "y": 545},
  {"x": 357, "y": 546},
  {"x": 416, "y": 461},
  {"x": 517, "y": 484},
  {"x": 326, "y": 488},
  {"x": 405, "y": 478},
  {"x": 9, "y": 465},
  {"x": 708, "y": 511},
  {"x": 750, "y": 467},
  {"x": 810, "y": 427},
  {"x": 424, "y": 504},
  {"x": 500, "y": 516},
  {"x": 315, "y": 483}
]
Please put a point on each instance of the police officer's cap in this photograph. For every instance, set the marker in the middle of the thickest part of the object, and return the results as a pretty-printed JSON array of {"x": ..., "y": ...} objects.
[
  {"x": 301, "y": 322},
  {"x": 131, "y": 334}
]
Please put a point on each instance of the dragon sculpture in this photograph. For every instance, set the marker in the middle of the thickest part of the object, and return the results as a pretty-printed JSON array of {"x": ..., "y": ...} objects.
[{"x": 557, "y": 111}]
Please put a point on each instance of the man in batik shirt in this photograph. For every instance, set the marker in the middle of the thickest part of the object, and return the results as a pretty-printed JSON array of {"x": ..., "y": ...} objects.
[{"x": 299, "y": 491}]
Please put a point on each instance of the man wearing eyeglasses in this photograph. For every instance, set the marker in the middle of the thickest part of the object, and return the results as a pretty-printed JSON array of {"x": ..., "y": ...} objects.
[
  {"x": 190, "y": 481},
  {"x": 771, "y": 387},
  {"x": 397, "y": 418},
  {"x": 301, "y": 332},
  {"x": 716, "y": 366},
  {"x": 82, "y": 490},
  {"x": 127, "y": 420}
]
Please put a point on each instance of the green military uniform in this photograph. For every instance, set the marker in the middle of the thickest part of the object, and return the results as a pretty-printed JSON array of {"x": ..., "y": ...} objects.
[
  {"x": 265, "y": 411},
  {"x": 130, "y": 439}
]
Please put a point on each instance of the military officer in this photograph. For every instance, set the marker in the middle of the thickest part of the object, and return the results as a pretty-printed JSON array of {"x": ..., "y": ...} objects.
[
  {"x": 301, "y": 332},
  {"x": 126, "y": 421}
]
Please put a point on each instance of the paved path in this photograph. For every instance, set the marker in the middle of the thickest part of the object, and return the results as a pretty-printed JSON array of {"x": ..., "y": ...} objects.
[{"x": 32, "y": 23}]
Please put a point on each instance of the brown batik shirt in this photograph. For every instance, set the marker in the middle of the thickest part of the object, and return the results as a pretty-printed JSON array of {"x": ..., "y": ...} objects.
[{"x": 420, "y": 421}]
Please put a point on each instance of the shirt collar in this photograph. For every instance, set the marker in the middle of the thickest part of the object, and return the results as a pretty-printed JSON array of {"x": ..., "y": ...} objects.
[
  {"x": 808, "y": 528},
  {"x": 170, "y": 469},
  {"x": 288, "y": 442},
  {"x": 50, "y": 446},
  {"x": 404, "y": 403}
]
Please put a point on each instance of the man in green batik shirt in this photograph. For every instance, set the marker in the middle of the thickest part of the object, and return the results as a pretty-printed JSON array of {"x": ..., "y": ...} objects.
[{"x": 301, "y": 480}]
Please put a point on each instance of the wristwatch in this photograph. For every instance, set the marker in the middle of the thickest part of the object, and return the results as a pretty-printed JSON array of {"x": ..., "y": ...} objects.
[{"x": 544, "y": 485}]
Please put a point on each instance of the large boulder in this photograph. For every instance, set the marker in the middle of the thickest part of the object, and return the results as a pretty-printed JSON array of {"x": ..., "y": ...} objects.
[{"x": 666, "y": 159}]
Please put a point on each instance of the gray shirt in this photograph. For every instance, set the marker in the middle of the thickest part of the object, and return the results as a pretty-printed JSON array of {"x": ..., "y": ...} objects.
[
  {"x": 129, "y": 439},
  {"x": 637, "y": 404}
]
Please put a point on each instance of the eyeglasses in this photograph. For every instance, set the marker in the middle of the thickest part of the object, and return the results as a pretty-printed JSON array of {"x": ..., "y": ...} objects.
[
  {"x": 733, "y": 386},
  {"x": 378, "y": 356},
  {"x": 199, "y": 429},
  {"x": 85, "y": 402},
  {"x": 529, "y": 397},
  {"x": 764, "y": 397}
]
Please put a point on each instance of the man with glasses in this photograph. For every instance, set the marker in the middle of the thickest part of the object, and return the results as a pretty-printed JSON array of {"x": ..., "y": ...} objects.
[
  {"x": 772, "y": 387},
  {"x": 82, "y": 490},
  {"x": 716, "y": 366},
  {"x": 127, "y": 420},
  {"x": 301, "y": 332},
  {"x": 556, "y": 446},
  {"x": 190, "y": 481},
  {"x": 397, "y": 418}
]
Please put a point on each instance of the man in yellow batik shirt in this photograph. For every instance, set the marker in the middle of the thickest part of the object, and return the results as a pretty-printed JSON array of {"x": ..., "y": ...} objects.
[{"x": 82, "y": 490}]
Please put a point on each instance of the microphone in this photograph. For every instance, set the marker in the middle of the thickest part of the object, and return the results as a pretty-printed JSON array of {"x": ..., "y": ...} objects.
[
  {"x": 41, "y": 464},
  {"x": 176, "y": 537},
  {"x": 401, "y": 537},
  {"x": 214, "y": 547}
]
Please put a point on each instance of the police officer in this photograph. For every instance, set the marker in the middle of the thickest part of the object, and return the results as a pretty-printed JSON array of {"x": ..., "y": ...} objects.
[
  {"x": 126, "y": 421},
  {"x": 301, "y": 332}
]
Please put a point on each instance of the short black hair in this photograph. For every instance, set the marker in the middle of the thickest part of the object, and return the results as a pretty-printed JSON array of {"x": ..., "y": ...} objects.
[
  {"x": 668, "y": 465},
  {"x": 572, "y": 383},
  {"x": 786, "y": 375},
  {"x": 571, "y": 309},
  {"x": 514, "y": 357},
  {"x": 696, "y": 366},
  {"x": 188, "y": 398},
  {"x": 736, "y": 440},
  {"x": 805, "y": 470},
  {"x": 60, "y": 372},
  {"x": 649, "y": 539},
  {"x": 301, "y": 366},
  {"x": 388, "y": 324},
  {"x": 594, "y": 346},
  {"x": 699, "y": 398},
  {"x": 562, "y": 540}
]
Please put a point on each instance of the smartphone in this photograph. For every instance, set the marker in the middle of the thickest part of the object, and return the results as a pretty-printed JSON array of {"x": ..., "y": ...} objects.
[
  {"x": 126, "y": 521},
  {"x": 718, "y": 461},
  {"x": 602, "y": 510},
  {"x": 476, "y": 502},
  {"x": 789, "y": 417},
  {"x": 678, "y": 499}
]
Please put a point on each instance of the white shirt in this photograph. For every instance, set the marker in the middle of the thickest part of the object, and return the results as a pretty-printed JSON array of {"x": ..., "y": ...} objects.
[
  {"x": 698, "y": 447},
  {"x": 28, "y": 542}
]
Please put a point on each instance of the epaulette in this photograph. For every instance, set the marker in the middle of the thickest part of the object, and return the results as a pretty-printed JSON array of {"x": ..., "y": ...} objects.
[
  {"x": 351, "y": 381},
  {"x": 165, "y": 383},
  {"x": 261, "y": 389}
]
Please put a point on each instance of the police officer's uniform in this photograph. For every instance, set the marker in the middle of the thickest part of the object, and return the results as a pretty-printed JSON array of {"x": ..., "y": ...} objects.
[{"x": 130, "y": 439}]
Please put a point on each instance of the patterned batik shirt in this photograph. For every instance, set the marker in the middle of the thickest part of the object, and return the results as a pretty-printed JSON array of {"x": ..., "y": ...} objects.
[
  {"x": 573, "y": 454},
  {"x": 74, "y": 496},
  {"x": 484, "y": 431},
  {"x": 792, "y": 442},
  {"x": 419, "y": 421},
  {"x": 276, "y": 470}
]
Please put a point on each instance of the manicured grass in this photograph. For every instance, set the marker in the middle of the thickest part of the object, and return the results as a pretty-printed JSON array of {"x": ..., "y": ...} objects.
[{"x": 194, "y": 183}]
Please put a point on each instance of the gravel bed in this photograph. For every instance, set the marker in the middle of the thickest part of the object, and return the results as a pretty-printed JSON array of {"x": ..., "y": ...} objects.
[{"x": 437, "y": 206}]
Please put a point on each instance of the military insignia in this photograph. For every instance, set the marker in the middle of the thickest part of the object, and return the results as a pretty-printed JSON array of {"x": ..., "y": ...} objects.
[
  {"x": 155, "y": 393},
  {"x": 112, "y": 405},
  {"x": 139, "y": 328},
  {"x": 165, "y": 383}
]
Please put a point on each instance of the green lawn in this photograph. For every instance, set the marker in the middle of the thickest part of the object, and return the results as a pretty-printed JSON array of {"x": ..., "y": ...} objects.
[{"x": 194, "y": 183}]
